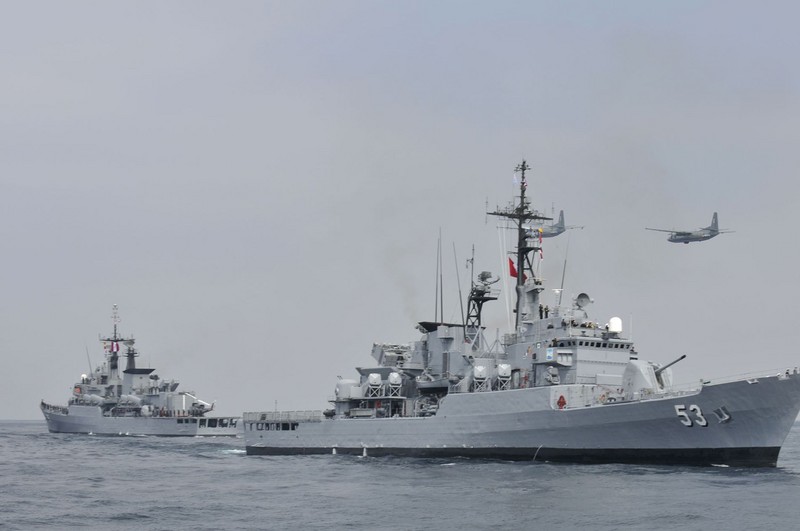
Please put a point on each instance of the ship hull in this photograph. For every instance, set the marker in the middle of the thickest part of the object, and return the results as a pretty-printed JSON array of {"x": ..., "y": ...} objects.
[
  {"x": 749, "y": 457},
  {"x": 90, "y": 420},
  {"x": 741, "y": 423}
]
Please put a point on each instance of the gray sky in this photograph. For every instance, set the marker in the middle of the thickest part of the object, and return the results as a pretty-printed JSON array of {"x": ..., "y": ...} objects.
[{"x": 259, "y": 186}]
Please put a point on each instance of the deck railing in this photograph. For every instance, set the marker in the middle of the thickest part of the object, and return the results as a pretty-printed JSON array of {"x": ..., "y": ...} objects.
[{"x": 283, "y": 416}]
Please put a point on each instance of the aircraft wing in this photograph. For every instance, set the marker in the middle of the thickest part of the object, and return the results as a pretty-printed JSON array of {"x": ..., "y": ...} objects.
[{"x": 661, "y": 230}]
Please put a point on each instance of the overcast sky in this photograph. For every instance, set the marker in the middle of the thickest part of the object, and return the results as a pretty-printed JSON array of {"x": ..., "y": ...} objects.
[{"x": 260, "y": 186}]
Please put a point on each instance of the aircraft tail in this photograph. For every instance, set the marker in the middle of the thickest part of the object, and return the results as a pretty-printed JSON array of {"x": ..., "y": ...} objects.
[
  {"x": 714, "y": 224},
  {"x": 560, "y": 223}
]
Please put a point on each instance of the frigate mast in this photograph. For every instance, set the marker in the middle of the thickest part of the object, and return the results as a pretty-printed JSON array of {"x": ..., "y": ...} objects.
[
  {"x": 520, "y": 214},
  {"x": 112, "y": 345},
  {"x": 479, "y": 293}
]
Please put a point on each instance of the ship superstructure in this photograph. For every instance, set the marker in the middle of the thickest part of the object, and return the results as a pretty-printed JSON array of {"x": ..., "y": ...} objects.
[
  {"x": 560, "y": 386},
  {"x": 133, "y": 400}
]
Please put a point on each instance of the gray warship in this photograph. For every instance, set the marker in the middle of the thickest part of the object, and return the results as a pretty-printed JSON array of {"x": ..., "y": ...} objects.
[
  {"x": 558, "y": 387},
  {"x": 134, "y": 401}
]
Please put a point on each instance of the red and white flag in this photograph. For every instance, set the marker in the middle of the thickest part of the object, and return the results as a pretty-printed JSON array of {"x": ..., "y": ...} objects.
[{"x": 513, "y": 270}]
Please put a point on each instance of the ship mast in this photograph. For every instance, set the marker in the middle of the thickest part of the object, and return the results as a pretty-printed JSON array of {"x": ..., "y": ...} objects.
[
  {"x": 112, "y": 345},
  {"x": 521, "y": 214}
]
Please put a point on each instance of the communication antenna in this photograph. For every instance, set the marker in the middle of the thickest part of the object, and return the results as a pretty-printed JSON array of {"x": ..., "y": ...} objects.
[
  {"x": 439, "y": 298},
  {"x": 88, "y": 358},
  {"x": 458, "y": 279},
  {"x": 563, "y": 273},
  {"x": 441, "y": 279}
]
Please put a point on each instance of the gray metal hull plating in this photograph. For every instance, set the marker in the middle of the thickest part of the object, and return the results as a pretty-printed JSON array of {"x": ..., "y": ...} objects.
[
  {"x": 741, "y": 423},
  {"x": 89, "y": 419}
]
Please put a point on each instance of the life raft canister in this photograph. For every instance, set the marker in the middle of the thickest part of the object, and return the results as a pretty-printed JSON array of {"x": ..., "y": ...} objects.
[{"x": 561, "y": 402}]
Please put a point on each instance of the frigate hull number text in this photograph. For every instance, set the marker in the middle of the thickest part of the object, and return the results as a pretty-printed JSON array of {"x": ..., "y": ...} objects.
[{"x": 691, "y": 416}]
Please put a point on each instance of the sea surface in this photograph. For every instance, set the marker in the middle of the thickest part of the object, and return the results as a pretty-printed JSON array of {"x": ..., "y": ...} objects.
[{"x": 58, "y": 481}]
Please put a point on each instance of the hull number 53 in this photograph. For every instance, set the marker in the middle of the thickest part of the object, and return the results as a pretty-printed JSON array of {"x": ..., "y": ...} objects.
[{"x": 692, "y": 416}]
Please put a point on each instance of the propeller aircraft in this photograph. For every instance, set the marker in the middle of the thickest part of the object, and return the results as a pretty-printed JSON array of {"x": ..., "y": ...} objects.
[
  {"x": 554, "y": 229},
  {"x": 679, "y": 236}
]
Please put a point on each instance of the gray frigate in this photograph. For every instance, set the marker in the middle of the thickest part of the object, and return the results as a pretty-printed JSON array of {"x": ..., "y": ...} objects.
[
  {"x": 133, "y": 401},
  {"x": 558, "y": 387}
]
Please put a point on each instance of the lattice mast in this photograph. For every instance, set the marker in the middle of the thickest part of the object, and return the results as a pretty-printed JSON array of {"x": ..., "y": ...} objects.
[{"x": 520, "y": 214}]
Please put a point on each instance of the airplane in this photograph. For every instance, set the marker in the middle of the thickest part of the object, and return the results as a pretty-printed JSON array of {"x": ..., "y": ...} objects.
[
  {"x": 678, "y": 236},
  {"x": 548, "y": 231}
]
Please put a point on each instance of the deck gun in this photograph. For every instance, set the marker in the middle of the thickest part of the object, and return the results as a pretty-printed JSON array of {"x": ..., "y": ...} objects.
[{"x": 668, "y": 365}]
